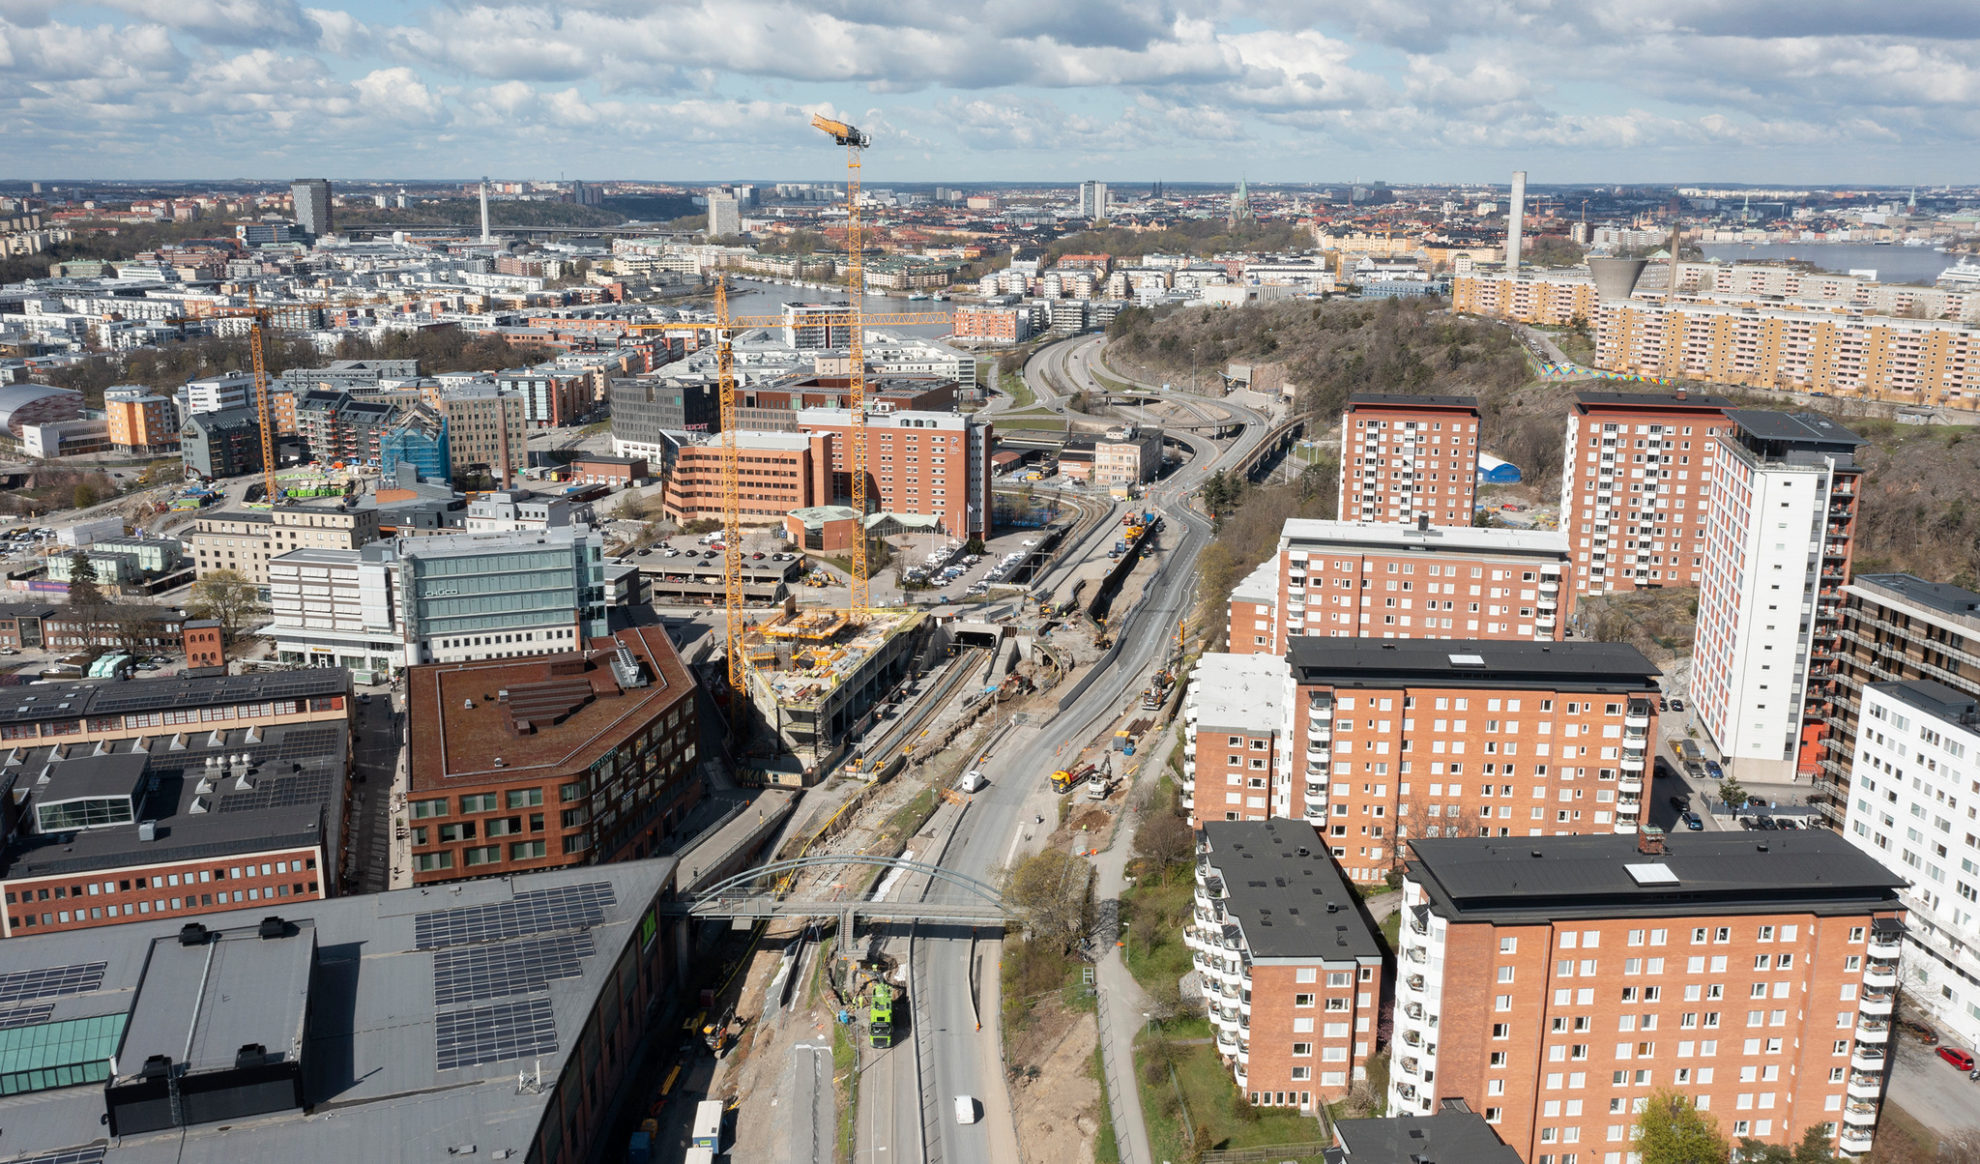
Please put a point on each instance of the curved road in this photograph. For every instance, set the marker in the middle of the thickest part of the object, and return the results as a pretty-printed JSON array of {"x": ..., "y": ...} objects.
[{"x": 949, "y": 965}]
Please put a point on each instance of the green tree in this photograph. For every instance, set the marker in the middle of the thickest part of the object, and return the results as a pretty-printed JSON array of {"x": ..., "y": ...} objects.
[
  {"x": 83, "y": 496},
  {"x": 228, "y": 599},
  {"x": 1732, "y": 792},
  {"x": 84, "y": 593},
  {"x": 1051, "y": 892},
  {"x": 1673, "y": 1131}
]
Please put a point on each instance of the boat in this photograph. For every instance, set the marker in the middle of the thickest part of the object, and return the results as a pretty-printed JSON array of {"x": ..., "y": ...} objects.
[
  {"x": 917, "y": 296},
  {"x": 1961, "y": 276}
]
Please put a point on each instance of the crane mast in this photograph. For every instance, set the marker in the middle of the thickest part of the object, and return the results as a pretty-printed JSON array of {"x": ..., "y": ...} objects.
[{"x": 855, "y": 141}]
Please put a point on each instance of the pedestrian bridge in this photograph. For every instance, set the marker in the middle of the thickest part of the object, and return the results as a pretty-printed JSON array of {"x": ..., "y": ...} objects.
[{"x": 765, "y": 892}]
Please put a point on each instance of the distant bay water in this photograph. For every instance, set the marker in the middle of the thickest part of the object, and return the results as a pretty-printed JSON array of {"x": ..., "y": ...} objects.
[{"x": 1893, "y": 264}]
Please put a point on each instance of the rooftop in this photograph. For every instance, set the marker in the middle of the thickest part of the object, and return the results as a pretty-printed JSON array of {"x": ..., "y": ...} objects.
[
  {"x": 1407, "y": 400},
  {"x": 1286, "y": 893},
  {"x": 1653, "y": 400},
  {"x": 1939, "y": 596},
  {"x": 1242, "y": 692},
  {"x": 1261, "y": 585},
  {"x": 422, "y": 1005},
  {"x": 93, "y": 697},
  {"x": 1369, "y": 662},
  {"x": 537, "y": 717},
  {"x": 1794, "y": 428},
  {"x": 1395, "y": 535},
  {"x": 1454, "y": 1135},
  {"x": 816, "y": 669},
  {"x": 1535, "y": 879},
  {"x": 1934, "y": 699}
]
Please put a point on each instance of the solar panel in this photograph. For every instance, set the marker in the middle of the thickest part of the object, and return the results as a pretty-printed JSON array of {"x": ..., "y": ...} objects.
[
  {"x": 480, "y": 973},
  {"x": 51, "y": 982},
  {"x": 490, "y": 1034},
  {"x": 67, "y": 1156},
  {"x": 571, "y": 907},
  {"x": 26, "y": 1016}
]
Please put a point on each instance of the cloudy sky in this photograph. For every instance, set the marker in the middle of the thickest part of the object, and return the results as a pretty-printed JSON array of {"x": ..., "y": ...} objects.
[{"x": 1767, "y": 91}]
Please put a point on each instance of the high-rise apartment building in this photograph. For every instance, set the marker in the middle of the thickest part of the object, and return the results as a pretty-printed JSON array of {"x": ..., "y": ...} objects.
[
  {"x": 1382, "y": 741},
  {"x": 1405, "y": 457},
  {"x": 141, "y": 421},
  {"x": 1917, "y": 768},
  {"x": 1235, "y": 712},
  {"x": 809, "y": 326},
  {"x": 1093, "y": 200},
  {"x": 1292, "y": 967},
  {"x": 1353, "y": 579},
  {"x": 724, "y": 214},
  {"x": 1894, "y": 627},
  {"x": 1555, "y": 299},
  {"x": 1636, "y": 486},
  {"x": 1558, "y": 982},
  {"x": 931, "y": 463},
  {"x": 312, "y": 198},
  {"x": 486, "y": 427},
  {"x": 1779, "y": 536}
]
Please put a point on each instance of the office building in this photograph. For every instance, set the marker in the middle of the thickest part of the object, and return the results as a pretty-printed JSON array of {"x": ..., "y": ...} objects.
[
  {"x": 1558, "y": 982},
  {"x": 89, "y": 712},
  {"x": 724, "y": 214},
  {"x": 577, "y": 758},
  {"x": 649, "y": 415},
  {"x": 1235, "y": 717},
  {"x": 502, "y": 1016},
  {"x": 996, "y": 324},
  {"x": 506, "y": 510},
  {"x": 1894, "y": 627},
  {"x": 1355, "y": 579},
  {"x": 1779, "y": 534},
  {"x": 142, "y": 423},
  {"x": 243, "y": 541},
  {"x": 1291, "y": 965},
  {"x": 1636, "y": 487},
  {"x": 1093, "y": 200},
  {"x": 221, "y": 444},
  {"x": 487, "y": 431},
  {"x": 141, "y": 828},
  {"x": 446, "y": 599},
  {"x": 1917, "y": 765},
  {"x": 1551, "y": 299},
  {"x": 810, "y": 326},
  {"x": 931, "y": 464},
  {"x": 312, "y": 198},
  {"x": 550, "y": 397},
  {"x": 1405, "y": 457},
  {"x": 778, "y": 472},
  {"x": 1127, "y": 456}
]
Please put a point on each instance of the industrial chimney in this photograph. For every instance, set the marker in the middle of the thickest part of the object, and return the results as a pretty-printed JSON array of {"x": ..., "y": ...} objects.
[
  {"x": 487, "y": 238},
  {"x": 1515, "y": 221}
]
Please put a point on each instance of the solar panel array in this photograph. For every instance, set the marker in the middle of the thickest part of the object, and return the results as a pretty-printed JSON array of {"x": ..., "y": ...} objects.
[
  {"x": 51, "y": 982},
  {"x": 307, "y": 790},
  {"x": 490, "y": 1034},
  {"x": 68, "y": 1156},
  {"x": 26, "y": 1016},
  {"x": 571, "y": 907},
  {"x": 481, "y": 973}
]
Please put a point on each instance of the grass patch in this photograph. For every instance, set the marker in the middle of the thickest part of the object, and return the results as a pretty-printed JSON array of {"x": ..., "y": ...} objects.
[
  {"x": 1155, "y": 915},
  {"x": 1219, "y": 1113},
  {"x": 1900, "y": 1133},
  {"x": 1106, "y": 1150},
  {"x": 845, "y": 1067},
  {"x": 1392, "y": 930},
  {"x": 1030, "y": 969},
  {"x": 1013, "y": 386}
]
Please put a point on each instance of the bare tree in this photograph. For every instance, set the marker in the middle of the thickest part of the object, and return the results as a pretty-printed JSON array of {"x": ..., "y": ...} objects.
[{"x": 1051, "y": 892}]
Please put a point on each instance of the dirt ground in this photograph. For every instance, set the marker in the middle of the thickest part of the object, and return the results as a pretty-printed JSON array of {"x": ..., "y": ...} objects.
[{"x": 1057, "y": 1108}]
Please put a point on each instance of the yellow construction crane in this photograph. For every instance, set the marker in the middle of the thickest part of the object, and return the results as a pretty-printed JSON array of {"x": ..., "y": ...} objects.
[
  {"x": 855, "y": 140},
  {"x": 257, "y": 318}
]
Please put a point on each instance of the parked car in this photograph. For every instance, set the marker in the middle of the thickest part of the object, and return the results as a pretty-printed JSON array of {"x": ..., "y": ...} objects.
[
  {"x": 757, "y": 556},
  {"x": 1663, "y": 704},
  {"x": 1691, "y": 821},
  {"x": 1713, "y": 770},
  {"x": 1958, "y": 1058},
  {"x": 1921, "y": 1031},
  {"x": 1677, "y": 704},
  {"x": 1681, "y": 803}
]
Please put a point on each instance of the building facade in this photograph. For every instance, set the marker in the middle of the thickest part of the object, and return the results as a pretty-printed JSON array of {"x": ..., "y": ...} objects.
[
  {"x": 1780, "y": 534},
  {"x": 338, "y": 426},
  {"x": 779, "y": 474},
  {"x": 486, "y": 427},
  {"x": 1409, "y": 457},
  {"x": 244, "y": 541},
  {"x": 312, "y": 200},
  {"x": 927, "y": 463},
  {"x": 1558, "y": 982},
  {"x": 221, "y": 444},
  {"x": 649, "y": 415},
  {"x": 1636, "y": 487},
  {"x": 141, "y": 421},
  {"x": 1292, "y": 967},
  {"x": 1234, "y": 715},
  {"x": 1550, "y": 300},
  {"x": 550, "y": 397},
  {"x": 1008, "y": 325}
]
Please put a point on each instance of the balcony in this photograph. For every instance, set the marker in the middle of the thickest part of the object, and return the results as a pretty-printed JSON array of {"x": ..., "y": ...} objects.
[
  {"x": 1854, "y": 1139},
  {"x": 1869, "y": 1059},
  {"x": 1244, "y": 1053},
  {"x": 1549, "y": 584},
  {"x": 1869, "y": 1030},
  {"x": 1412, "y": 1038},
  {"x": 1637, "y": 717},
  {"x": 1863, "y": 1086},
  {"x": 1314, "y": 814},
  {"x": 1411, "y": 1066},
  {"x": 1878, "y": 1002},
  {"x": 1863, "y": 1115},
  {"x": 1417, "y": 955},
  {"x": 1227, "y": 1042},
  {"x": 1419, "y": 923},
  {"x": 1880, "y": 972},
  {"x": 1413, "y": 1011},
  {"x": 1630, "y": 784},
  {"x": 1415, "y": 983},
  {"x": 1319, "y": 730},
  {"x": 1887, "y": 939},
  {"x": 1316, "y": 794}
]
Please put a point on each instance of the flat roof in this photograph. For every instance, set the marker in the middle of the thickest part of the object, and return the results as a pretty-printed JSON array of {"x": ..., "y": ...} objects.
[
  {"x": 1934, "y": 699},
  {"x": 1407, "y": 400},
  {"x": 1391, "y": 535},
  {"x": 1943, "y": 597},
  {"x": 1242, "y": 692},
  {"x": 112, "y": 696},
  {"x": 1287, "y": 894},
  {"x": 423, "y": 1007},
  {"x": 1529, "y": 880},
  {"x": 1792, "y": 427},
  {"x": 1604, "y": 398},
  {"x": 1261, "y": 585},
  {"x": 1456, "y": 1135},
  {"x": 460, "y": 729},
  {"x": 1466, "y": 662}
]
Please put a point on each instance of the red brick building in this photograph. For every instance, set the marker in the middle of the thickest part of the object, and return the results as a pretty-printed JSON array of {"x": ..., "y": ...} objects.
[
  {"x": 1235, "y": 717},
  {"x": 1292, "y": 967},
  {"x": 1634, "y": 490},
  {"x": 552, "y": 760},
  {"x": 205, "y": 645},
  {"x": 1555, "y": 983},
  {"x": 998, "y": 324},
  {"x": 931, "y": 463},
  {"x": 1405, "y": 457}
]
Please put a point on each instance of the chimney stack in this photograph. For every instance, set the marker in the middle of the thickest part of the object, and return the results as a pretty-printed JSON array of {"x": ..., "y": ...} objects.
[
  {"x": 1515, "y": 221},
  {"x": 486, "y": 237}
]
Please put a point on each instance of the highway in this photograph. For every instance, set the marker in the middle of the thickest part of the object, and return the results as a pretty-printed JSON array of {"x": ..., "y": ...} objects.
[{"x": 948, "y": 963}]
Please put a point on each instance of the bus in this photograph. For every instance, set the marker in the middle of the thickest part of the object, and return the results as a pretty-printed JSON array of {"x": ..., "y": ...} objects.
[
  {"x": 708, "y": 1125},
  {"x": 880, "y": 1016}
]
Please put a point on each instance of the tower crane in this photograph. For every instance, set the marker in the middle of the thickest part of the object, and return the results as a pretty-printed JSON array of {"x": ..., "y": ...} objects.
[
  {"x": 257, "y": 318},
  {"x": 855, "y": 140}
]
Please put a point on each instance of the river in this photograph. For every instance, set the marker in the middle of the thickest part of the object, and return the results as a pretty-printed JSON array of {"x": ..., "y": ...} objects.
[{"x": 1893, "y": 264}]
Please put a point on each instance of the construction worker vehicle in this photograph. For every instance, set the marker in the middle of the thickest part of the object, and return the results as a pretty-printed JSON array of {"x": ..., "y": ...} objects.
[{"x": 1064, "y": 781}]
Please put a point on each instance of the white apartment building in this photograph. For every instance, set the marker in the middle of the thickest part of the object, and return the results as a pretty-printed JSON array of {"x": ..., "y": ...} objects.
[
  {"x": 1768, "y": 609},
  {"x": 1911, "y": 803},
  {"x": 508, "y": 510},
  {"x": 213, "y": 393}
]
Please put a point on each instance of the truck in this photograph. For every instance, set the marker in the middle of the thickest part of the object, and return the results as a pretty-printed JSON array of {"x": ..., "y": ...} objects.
[
  {"x": 1064, "y": 781},
  {"x": 880, "y": 1016},
  {"x": 708, "y": 1125},
  {"x": 1157, "y": 691}
]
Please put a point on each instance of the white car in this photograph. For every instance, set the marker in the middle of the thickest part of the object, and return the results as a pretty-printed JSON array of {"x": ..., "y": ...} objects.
[{"x": 965, "y": 1109}]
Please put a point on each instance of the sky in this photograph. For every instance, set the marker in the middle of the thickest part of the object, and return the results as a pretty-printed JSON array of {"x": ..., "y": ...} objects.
[{"x": 1774, "y": 92}]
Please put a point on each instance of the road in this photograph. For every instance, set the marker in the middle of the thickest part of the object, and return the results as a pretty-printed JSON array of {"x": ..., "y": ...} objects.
[{"x": 950, "y": 966}]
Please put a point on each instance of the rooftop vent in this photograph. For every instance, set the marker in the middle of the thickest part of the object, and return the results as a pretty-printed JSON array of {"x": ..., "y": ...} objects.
[
  {"x": 1467, "y": 660},
  {"x": 273, "y": 927},
  {"x": 157, "y": 1067},
  {"x": 147, "y": 830},
  {"x": 192, "y": 934},
  {"x": 250, "y": 1055}
]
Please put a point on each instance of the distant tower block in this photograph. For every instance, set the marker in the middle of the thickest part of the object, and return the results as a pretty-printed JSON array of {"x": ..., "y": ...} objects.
[
  {"x": 487, "y": 237},
  {"x": 1515, "y": 221}
]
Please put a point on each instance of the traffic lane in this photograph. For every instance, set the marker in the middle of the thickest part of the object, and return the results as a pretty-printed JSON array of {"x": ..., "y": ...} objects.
[
  {"x": 1936, "y": 1093},
  {"x": 955, "y": 1067}
]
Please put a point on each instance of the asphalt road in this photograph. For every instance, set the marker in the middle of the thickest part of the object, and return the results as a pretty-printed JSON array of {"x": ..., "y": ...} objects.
[{"x": 958, "y": 1059}]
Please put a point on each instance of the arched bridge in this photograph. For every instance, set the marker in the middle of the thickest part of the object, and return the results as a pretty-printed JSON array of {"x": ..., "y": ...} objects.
[{"x": 764, "y": 892}]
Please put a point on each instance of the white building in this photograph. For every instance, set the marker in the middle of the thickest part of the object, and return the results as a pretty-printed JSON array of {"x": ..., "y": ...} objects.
[
  {"x": 231, "y": 390},
  {"x": 724, "y": 214},
  {"x": 1768, "y": 605},
  {"x": 504, "y": 511},
  {"x": 1093, "y": 200},
  {"x": 1911, "y": 800}
]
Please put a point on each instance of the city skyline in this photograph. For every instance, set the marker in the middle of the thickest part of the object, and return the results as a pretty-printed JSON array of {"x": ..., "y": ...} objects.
[{"x": 1621, "y": 92}]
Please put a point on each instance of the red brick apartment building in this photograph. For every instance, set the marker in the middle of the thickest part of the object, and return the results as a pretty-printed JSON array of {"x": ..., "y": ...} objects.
[
  {"x": 1292, "y": 967},
  {"x": 550, "y": 761},
  {"x": 931, "y": 463},
  {"x": 1001, "y": 324},
  {"x": 1235, "y": 712},
  {"x": 778, "y": 472},
  {"x": 1391, "y": 740},
  {"x": 1554, "y": 983},
  {"x": 1635, "y": 487},
  {"x": 1404, "y": 457},
  {"x": 1361, "y": 579}
]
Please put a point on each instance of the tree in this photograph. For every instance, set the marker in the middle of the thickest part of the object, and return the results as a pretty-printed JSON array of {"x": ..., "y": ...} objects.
[
  {"x": 1164, "y": 840},
  {"x": 85, "y": 596},
  {"x": 1672, "y": 1131},
  {"x": 1050, "y": 891},
  {"x": 1733, "y": 793},
  {"x": 228, "y": 599}
]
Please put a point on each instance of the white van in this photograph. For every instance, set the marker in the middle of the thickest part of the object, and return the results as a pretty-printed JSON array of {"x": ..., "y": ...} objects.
[
  {"x": 965, "y": 1109},
  {"x": 972, "y": 780}
]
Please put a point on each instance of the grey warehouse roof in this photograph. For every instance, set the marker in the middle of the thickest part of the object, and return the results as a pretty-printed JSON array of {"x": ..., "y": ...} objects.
[
  {"x": 1287, "y": 894},
  {"x": 1940, "y": 596},
  {"x": 1516, "y": 665}
]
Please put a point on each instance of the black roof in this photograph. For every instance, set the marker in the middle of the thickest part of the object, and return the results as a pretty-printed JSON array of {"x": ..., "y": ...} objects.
[
  {"x": 1940, "y": 596},
  {"x": 1410, "y": 400},
  {"x": 1455, "y": 1135},
  {"x": 1800, "y": 428},
  {"x": 68, "y": 701},
  {"x": 1497, "y": 663},
  {"x": 1287, "y": 893},
  {"x": 1652, "y": 399},
  {"x": 1529, "y": 880}
]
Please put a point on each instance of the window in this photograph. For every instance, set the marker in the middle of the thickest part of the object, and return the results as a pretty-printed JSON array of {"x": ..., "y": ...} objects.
[
  {"x": 483, "y": 855},
  {"x": 1501, "y": 1030},
  {"x": 1302, "y": 1050},
  {"x": 1303, "y": 1000},
  {"x": 421, "y": 809}
]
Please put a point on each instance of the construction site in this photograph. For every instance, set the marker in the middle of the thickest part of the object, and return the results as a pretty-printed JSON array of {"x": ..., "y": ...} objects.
[{"x": 816, "y": 674}]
